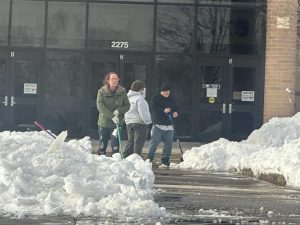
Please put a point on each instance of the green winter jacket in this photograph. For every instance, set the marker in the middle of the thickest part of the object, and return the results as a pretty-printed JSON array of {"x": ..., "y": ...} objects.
[{"x": 108, "y": 101}]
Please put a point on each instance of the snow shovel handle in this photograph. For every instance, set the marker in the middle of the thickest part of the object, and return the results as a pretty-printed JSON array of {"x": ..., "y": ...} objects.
[
  {"x": 169, "y": 115},
  {"x": 118, "y": 127},
  {"x": 43, "y": 128}
]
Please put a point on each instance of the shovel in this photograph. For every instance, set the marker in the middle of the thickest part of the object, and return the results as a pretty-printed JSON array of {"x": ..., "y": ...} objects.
[
  {"x": 118, "y": 128},
  {"x": 58, "y": 140},
  {"x": 175, "y": 135}
]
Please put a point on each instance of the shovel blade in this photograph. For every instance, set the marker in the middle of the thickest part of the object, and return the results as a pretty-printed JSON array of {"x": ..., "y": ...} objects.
[{"x": 54, "y": 146}]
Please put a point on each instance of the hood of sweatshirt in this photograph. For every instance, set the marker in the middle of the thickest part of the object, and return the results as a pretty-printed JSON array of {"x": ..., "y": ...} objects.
[{"x": 133, "y": 93}]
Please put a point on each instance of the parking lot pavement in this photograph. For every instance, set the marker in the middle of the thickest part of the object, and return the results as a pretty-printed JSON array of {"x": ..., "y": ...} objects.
[{"x": 222, "y": 196}]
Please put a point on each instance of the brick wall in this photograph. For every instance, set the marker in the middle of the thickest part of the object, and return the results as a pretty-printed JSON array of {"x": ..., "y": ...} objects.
[{"x": 280, "y": 67}]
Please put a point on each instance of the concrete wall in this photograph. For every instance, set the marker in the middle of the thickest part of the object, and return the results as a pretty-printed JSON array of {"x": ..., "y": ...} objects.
[{"x": 280, "y": 67}]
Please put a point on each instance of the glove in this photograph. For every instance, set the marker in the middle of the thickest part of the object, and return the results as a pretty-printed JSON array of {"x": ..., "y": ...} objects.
[
  {"x": 116, "y": 112},
  {"x": 169, "y": 115},
  {"x": 115, "y": 132},
  {"x": 115, "y": 119}
]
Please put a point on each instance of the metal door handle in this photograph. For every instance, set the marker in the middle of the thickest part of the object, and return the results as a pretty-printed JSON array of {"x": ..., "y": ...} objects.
[
  {"x": 5, "y": 101},
  {"x": 224, "y": 108},
  {"x": 230, "y": 109},
  {"x": 12, "y": 101}
]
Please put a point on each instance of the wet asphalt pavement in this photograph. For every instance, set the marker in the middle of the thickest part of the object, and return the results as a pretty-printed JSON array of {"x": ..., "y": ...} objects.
[
  {"x": 203, "y": 198},
  {"x": 210, "y": 197}
]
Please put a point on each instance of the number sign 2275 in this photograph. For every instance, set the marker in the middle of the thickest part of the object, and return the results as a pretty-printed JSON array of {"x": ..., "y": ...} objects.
[{"x": 119, "y": 44}]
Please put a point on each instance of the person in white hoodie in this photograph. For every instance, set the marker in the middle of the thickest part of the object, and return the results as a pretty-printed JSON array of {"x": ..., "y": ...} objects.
[{"x": 137, "y": 119}]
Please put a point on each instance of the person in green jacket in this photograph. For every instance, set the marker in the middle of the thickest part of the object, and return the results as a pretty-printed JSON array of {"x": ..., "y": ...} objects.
[{"x": 112, "y": 103}]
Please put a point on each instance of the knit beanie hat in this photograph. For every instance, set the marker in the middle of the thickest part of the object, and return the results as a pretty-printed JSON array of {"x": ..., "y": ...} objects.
[{"x": 165, "y": 87}]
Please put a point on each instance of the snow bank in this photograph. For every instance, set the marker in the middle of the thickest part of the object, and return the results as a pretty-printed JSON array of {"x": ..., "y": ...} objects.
[
  {"x": 70, "y": 180},
  {"x": 274, "y": 148}
]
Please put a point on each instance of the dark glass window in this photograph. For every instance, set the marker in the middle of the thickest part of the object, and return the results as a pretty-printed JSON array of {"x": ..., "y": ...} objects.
[
  {"x": 120, "y": 26},
  {"x": 178, "y": 72},
  {"x": 26, "y": 71},
  {"x": 127, "y": 0},
  {"x": 246, "y": 31},
  {"x": 242, "y": 124},
  {"x": 24, "y": 114},
  {"x": 66, "y": 25},
  {"x": 243, "y": 80},
  {"x": 211, "y": 79},
  {"x": 64, "y": 79},
  {"x": 176, "y": 1},
  {"x": 2, "y": 77},
  {"x": 58, "y": 120},
  {"x": 230, "y": 30},
  {"x": 174, "y": 30},
  {"x": 28, "y": 23},
  {"x": 132, "y": 72},
  {"x": 213, "y": 30},
  {"x": 231, "y": 2},
  {"x": 210, "y": 125},
  {"x": 4, "y": 20}
]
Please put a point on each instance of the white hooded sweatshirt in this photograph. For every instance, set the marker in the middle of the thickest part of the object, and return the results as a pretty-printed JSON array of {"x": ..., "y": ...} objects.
[{"x": 139, "y": 109}]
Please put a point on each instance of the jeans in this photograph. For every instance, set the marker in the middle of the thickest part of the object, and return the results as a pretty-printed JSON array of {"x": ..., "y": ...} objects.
[
  {"x": 137, "y": 133},
  {"x": 158, "y": 135},
  {"x": 104, "y": 136}
]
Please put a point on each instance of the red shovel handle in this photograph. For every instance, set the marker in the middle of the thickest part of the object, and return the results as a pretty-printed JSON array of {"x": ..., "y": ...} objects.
[
  {"x": 43, "y": 128},
  {"x": 39, "y": 125}
]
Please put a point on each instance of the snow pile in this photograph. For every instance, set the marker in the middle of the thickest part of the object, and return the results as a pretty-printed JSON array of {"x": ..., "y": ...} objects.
[
  {"x": 274, "y": 148},
  {"x": 70, "y": 180}
]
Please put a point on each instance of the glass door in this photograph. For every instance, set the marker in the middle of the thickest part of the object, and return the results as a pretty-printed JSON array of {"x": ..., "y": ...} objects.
[
  {"x": 245, "y": 97},
  {"x": 4, "y": 91},
  {"x": 19, "y": 86},
  {"x": 212, "y": 91},
  {"x": 25, "y": 88}
]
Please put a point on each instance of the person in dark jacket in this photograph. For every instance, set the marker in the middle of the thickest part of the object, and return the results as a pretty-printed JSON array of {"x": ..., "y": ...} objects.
[
  {"x": 163, "y": 108},
  {"x": 112, "y": 103}
]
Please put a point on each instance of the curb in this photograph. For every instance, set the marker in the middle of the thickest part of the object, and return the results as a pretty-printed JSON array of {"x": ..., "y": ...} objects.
[{"x": 272, "y": 178}]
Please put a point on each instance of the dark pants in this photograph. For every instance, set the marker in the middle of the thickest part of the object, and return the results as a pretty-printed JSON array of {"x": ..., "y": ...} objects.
[
  {"x": 158, "y": 135},
  {"x": 137, "y": 134},
  {"x": 104, "y": 136}
]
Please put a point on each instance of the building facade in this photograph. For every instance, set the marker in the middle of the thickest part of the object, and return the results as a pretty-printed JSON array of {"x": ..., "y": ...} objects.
[{"x": 218, "y": 55}]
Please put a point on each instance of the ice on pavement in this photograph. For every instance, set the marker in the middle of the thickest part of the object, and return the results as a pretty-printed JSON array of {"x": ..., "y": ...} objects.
[
  {"x": 274, "y": 148},
  {"x": 70, "y": 180}
]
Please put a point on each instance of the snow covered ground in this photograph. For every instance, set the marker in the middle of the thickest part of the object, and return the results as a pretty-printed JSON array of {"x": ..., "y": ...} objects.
[
  {"x": 66, "y": 179},
  {"x": 274, "y": 148}
]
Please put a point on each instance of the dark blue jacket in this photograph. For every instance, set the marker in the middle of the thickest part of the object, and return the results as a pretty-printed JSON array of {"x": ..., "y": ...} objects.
[{"x": 158, "y": 105}]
